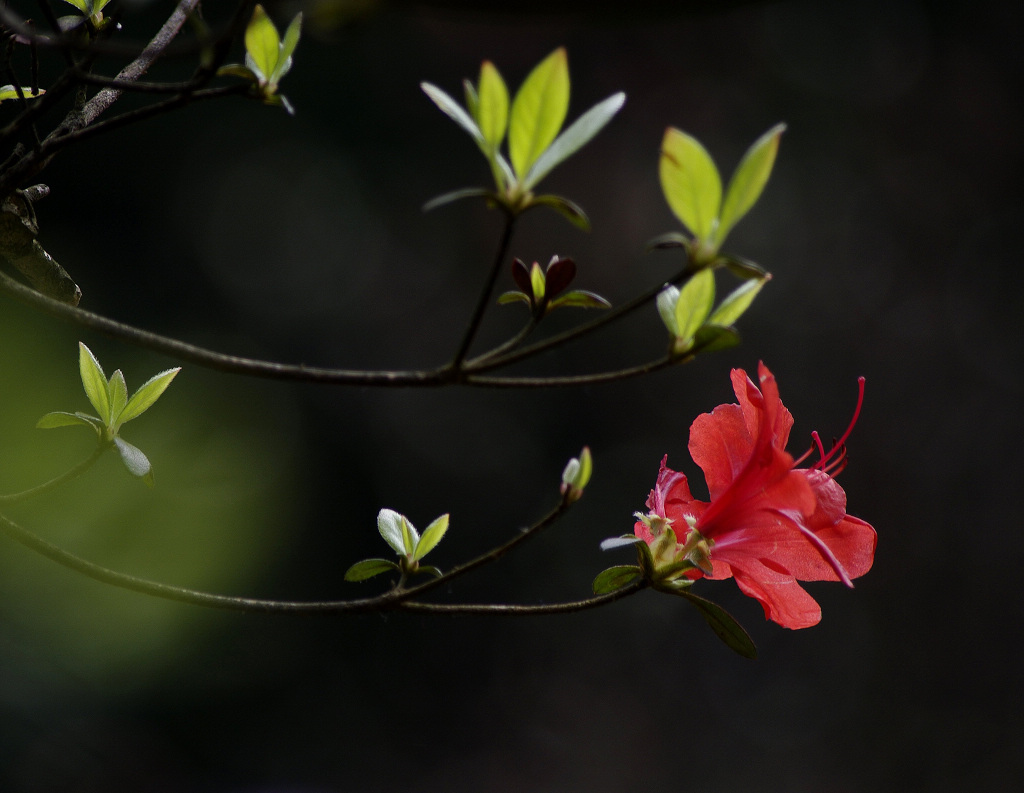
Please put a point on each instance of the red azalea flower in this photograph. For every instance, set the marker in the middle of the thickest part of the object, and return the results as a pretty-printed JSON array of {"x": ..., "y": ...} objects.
[{"x": 768, "y": 524}]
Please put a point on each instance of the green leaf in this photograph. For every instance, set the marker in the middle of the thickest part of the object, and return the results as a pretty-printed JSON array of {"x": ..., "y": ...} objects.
[
  {"x": 262, "y": 43},
  {"x": 492, "y": 108},
  {"x": 134, "y": 460},
  {"x": 368, "y": 568},
  {"x": 615, "y": 578},
  {"x": 738, "y": 301},
  {"x": 671, "y": 239},
  {"x": 431, "y": 536},
  {"x": 690, "y": 182},
  {"x": 117, "y": 393},
  {"x": 94, "y": 381},
  {"x": 696, "y": 297},
  {"x": 538, "y": 111},
  {"x": 710, "y": 338},
  {"x": 389, "y": 524},
  {"x": 748, "y": 182},
  {"x": 743, "y": 268},
  {"x": 10, "y": 92},
  {"x": 472, "y": 100},
  {"x": 61, "y": 419},
  {"x": 430, "y": 570},
  {"x": 238, "y": 70},
  {"x": 538, "y": 282},
  {"x": 514, "y": 297},
  {"x": 148, "y": 393},
  {"x": 410, "y": 537},
  {"x": 454, "y": 111},
  {"x": 722, "y": 623},
  {"x": 85, "y": 6},
  {"x": 586, "y": 468},
  {"x": 564, "y": 207},
  {"x": 580, "y": 133},
  {"x": 288, "y": 45},
  {"x": 581, "y": 299}
]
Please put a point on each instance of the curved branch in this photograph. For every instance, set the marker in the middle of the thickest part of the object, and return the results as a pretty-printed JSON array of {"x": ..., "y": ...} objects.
[
  {"x": 514, "y": 610},
  {"x": 67, "y": 476}
]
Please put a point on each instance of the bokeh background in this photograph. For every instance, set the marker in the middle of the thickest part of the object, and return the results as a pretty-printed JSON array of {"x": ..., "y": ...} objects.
[{"x": 891, "y": 226}]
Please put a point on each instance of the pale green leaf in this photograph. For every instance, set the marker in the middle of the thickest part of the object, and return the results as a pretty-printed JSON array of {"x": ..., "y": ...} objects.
[
  {"x": 696, "y": 297},
  {"x": 749, "y": 180},
  {"x": 134, "y": 460},
  {"x": 431, "y": 537},
  {"x": 690, "y": 182},
  {"x": 621, "y": 542},
  {"x": 666, "y": 303},
  {"x": 62, "y": 419},
  {"x": 671, "y": 239},
  {"x": 492, "y": 109},
  {"x": 117, "y": 393},
  {"x": 738, "y": 301},
  {"x": 94, "y": 381},
  {"x": 710, "y": 338},
  {"x": 615, "y": 578},
  {"x": 538, "y": 111},
  {"x": 430, "y": 570},
  {"x": 454, "y": 111},
  {"x": 262, "y": 43},
  {"x": 514, "y": 297},
  {"x": 85, "y": 6},
  {"x": 579, "y": 298},
  {"x": 238, "y": 70},
  {"x": 586, "y": 468},
  {"x": 457, "y": 195},
  {"x": 389, "y": 524},
  {"x": 410, "y": 537},
  {"x": 148, "y": 393},
  {"x": 574, "y": 138},
  {"x": 10, "y": 92},
  {"x": 368, "y": 568},
  {"x": 288, "y": 45},
  {"x": 472, "y": 100}
]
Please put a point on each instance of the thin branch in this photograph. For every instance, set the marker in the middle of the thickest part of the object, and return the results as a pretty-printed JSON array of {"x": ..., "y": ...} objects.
[
  {"x": 512, "y": 610},
  {"x": 485, "y": 293},
  {"x": 67, "y": 476}
]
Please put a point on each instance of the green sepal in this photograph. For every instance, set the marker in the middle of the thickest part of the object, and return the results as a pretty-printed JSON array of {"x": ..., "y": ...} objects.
[
  {"x": 514, "y": 297},
  {"x": 368, "y": 568},
  {"x": 458, "y": 195},
  {"x": 431, "y": 537},
  {"x": 615, "y": 578},
  {"x": 578, "y": 134},
  {"x": 690, "y": 182},
  {"x": 144, "y": 397},
  {"x": 538, "y": 111},
  {"x": 135, "y": 461},
  {"x": 696, "y": 298},
  {"x": 721, "y": 622},
  {"x": 570, "y": 210},
  {"x": 10, "y": 92},
  {"x": 736, "y": 302},
  {"x": 94, "y": 381},
  {"x": 749, "y": 180},
  {"x": 581, "y": 299}
]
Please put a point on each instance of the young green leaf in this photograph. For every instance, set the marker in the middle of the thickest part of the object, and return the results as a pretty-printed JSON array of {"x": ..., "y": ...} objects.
[
  {"x": 620, "y": 542},
  {"x": 538, "y": 111},
  {"x": 579, "y": 133},
  {"x": 288, "y": 45},
  {"x": 615, "y": 578},
  {"x": 117, "y": 392},
  {"x": 564, "y": 207},
  {"x": 454, "y": 111},
  {"x": 710, "y": 338},
  {"x": 262, "y": 43},
  {"x": 148, "y": 393},
  {"x": 749, "y": 180},
  {"x": 690, "y": 182},
  {"x": 492, "y": 105},
  {"x": 410, "y": 537},
  {"x": 431, "y": 537},
  {"x": 94, "y": 381},
  {"x": 723, "y": 624},
  {"x": 738, "y": 301},
  {"x": 62, "y": 419},
  {"x": 389, "y": 524},
  {"x": 696, "y": 297},
  {"x": 368, "y": 568},
  {"x": 134, "y": 460},
  {"x": 456, "y": 195},
  {"x": 579, "y": 298}
]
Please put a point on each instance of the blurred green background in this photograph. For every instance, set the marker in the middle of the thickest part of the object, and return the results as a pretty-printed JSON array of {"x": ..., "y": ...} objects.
[{"x": 890, "y": 226}]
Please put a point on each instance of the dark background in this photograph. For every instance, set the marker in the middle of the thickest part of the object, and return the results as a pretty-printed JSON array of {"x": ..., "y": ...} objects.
[{"x": 890, "y": 226}]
